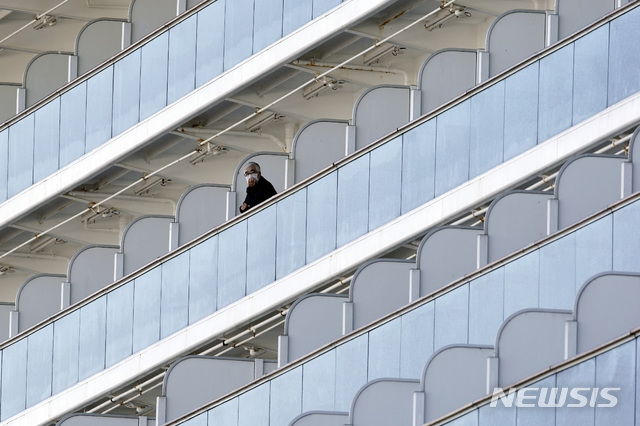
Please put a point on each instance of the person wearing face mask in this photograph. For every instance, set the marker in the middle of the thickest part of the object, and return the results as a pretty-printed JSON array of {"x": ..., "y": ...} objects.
[{"x": 258, "y": 188}]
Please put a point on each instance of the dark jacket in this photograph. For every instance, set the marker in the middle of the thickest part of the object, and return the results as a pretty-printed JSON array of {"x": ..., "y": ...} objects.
[{"x": 261, "y": 191}]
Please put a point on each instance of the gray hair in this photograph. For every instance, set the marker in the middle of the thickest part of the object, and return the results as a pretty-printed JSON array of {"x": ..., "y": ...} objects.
[{"x": 251, "y": 163}]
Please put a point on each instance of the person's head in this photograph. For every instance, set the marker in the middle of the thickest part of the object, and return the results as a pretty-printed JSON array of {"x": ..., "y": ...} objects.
[{"x": 252, "y": 173}]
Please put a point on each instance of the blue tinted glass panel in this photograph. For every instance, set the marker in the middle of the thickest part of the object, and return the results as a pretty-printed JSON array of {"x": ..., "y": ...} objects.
[
  {"x": 322, "y": 203},
  {"x": 624, "y": 56},
  {"x": 556, "y": 92},
  {"x": 175, "y": 295},
  {"x": 384, "y": 350},
  {"x": 126, "y": 92},
  {"x": 154, "y": 64},
  {"x": 182, "y": 59},
  {"x": 452, "y": 148},
  {"x": 536, "y": 415},
  {"x": 470, "y": 419},
  {"x": 322, "y": 6},
  {"x": 14, "y": 378},
  {"x": 224, "y": 414},
  {"x": 261, "y": 249},
  {"x": 66, "y": 350},
  {"x": 203, "y": 277},
  {"x": 319, "y": 383},
  {"x": 210, "y": 42},
  {"x": 254, "y": 407},
  {"x": 20, "y": 155},
  {"x": 146, "y": 309},
  {"x": 582, "y": 375},
  {"x": 119, "y": 323},
  {"x": 418, "y": 165},
  {"x": 353, "y": 200},
  {"x": 200, "y": 420},
  {"x": 99, "y": 108},
  {"x": 521, "y": 278},
  {"x": 286, "y": 397},
  {"x": 590, "y": 74},
  {"x": 73, "y": 105},
  {"x": 558, "y": 274},
  {"x": 521, "y": 111},
  {"x": 292, "y": 224},
  {"x": 594, "y": 246},
  {"x": 615, "y": 369},
  {"x": 238, "y": 26},
  {"x": 487, "y": 129},
  {"x": 498, "y": 415},
  {"x": 385, "y": 183},
  {"x": 296, "y": 14},
  {"x": 486, "y": 304},
  {"x": 47, "y": 140},
  {"x": 351, "y": 372},
  {"x": 268, "y": 23},
  {"x": 452, "y": 318},
  {"x": 4, "y": 163},
  {"x": 626, "y": 238},
  {"x": 93, "y": 318},
  {"x": 232, "y": 264},
  {"x": 39, "y": 365},
  {"x": 416, "y": 344}
]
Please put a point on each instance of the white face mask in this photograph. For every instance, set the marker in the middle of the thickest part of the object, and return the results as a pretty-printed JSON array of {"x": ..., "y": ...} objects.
[{"x": 252, "y": 175}]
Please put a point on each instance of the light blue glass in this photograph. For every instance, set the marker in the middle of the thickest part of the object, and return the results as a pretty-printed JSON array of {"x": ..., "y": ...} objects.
[
  {"x": 318, "y": 383},
  {"x": 182, "y": 59},
  {"x": 487, "y": 129},
  {"x": 385, "y": 183},
  {"x": 416, "y": 344},
  {"x": 418, "y": 165},
  {"x": 322, "y": 6},
  {"x": 556, "y": 91},
  {"x": 39, "y": 366},
  {"x": 224, "y": 414},
  {"x": 537, "y": 415},
  {"x": 626, "y": 238},
  {"x": 486, "y": 306},
  {"x": 146, "y": 309},
  {"x": 14, "y": 379},
  {"x": 384, "y": 350},
  {"x": 286, "y": 397},
  {"x": 261, "y": 249},
  {"x": 154, "y": 64},
  {"x": 99, "y": 108},
  {"x": 296, "y": 14},
  {"x": 616, "y": 369},
  {"x": 558, "y": 273},
  {"x": 93, "y": 318},
  {"x": 637, "y": 377},
  {"x": 521, "y": 111},
  {"x": 291, "y": 237},
  {"x": 210, "y": 42},
  {"x": 20, "y": 155},
  {"x": 582, "y": 375},
  {"x": 46, "y": 140},
  {"x": 238, "y": 24},
  {"x": 66, "y": 350},
  {"x": 353, "y": 200},
  {"x": 590, "y": 74},
  {"x": 452, "y": 318},
  {"x": 594, "y": 246},
  {"x": 253, "y": 407},
  {"x": 72, "y": 123},
  {"x": 322, "y": 203},
  {"x": 232, "y": 264},
  {"x": 624, "y": 56},
  {"x": 452, "y": 148},
  {"x": 351, "y": 372},
  {"x": 4, "y": 163},
  {"x": 267, "y": 23},
  {"x": 119, "y": 320},
  {"x": 469, "y": 419},
  {"x": 203, "y": 276},
  {"x": 498, "y": 415},
  {"x": 175, "y": 295},
  {"x": 200, "y": 420},
  {"x": 521, "y": 278},
  {"x": 126, "y": 92}
]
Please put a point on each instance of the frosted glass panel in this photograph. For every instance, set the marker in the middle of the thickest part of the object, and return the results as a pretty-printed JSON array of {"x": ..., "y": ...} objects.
[
  {"x": 286, "y": 397},
  {"x": 452, "y": 148},
  {"x": 182, "y": 59},
  {"x": 353, "y": 200},
  {"x": 351, "y": 372},
  {"x": 39, "y": 367},
  {"x": 203, "y": 286},
  {"x": 384, "y": 350},
  {"x": 20, "y": 155},
  {"x": 146, "y": 309},
  {"x": 594, "y": 246},
  {"x": 385, "y": 183},
  {"x": 452, "y": 317},
  {"x": 614, "y": 370},
  {"x": 537, "y": 415},
  {"x": 232, "y": 264},
  {"x": 487, "y": 129},
  {"x": 558, "y": 274},
  {"x": 322, "y": 6},
  {"x": 291, "y": 239},
  {"x": 4, "y": 163},
  {"x": 261, "y": 250},
  {"x": 66, "y": 344},
  {"x": 126, "y": 92},
  {"x": 14, "y": 377},
  {"x": 99, "y": 108},
  {"x": 268, "y": 23},
  {"x": 225, "y": 414},
  {"x": 175, "y": 295},
  {"x": 318, "y": 386},
  {"x": 556, "y": 90},
  {"x": 47, "y": 140},
  {"x": 418, "y": 165},
  {"x": 210, "y": 42},
  {"x": 626, "y": 238},
  {"x": 521, "y": 279},
  {"x": 416, "y": 345},
  {"x": 624, "y": 56},
  {"x": 486, "y": 305},
  {"x": 254, "y": 407},
  {"x": 238, "y": 43},
  {"x": 93, "y": 319},
  {"x": 590, "y": 74},
  {"x": 119, "y": 320},
  {"x": 582, "y": 375},
  {"x": 153, "y": 75},
  {"x": 521, "y": 111},
  {"x": 321, "y": 216},
  {"x": 72, "y": 124},
  {"x": 296, "y": 14}
]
